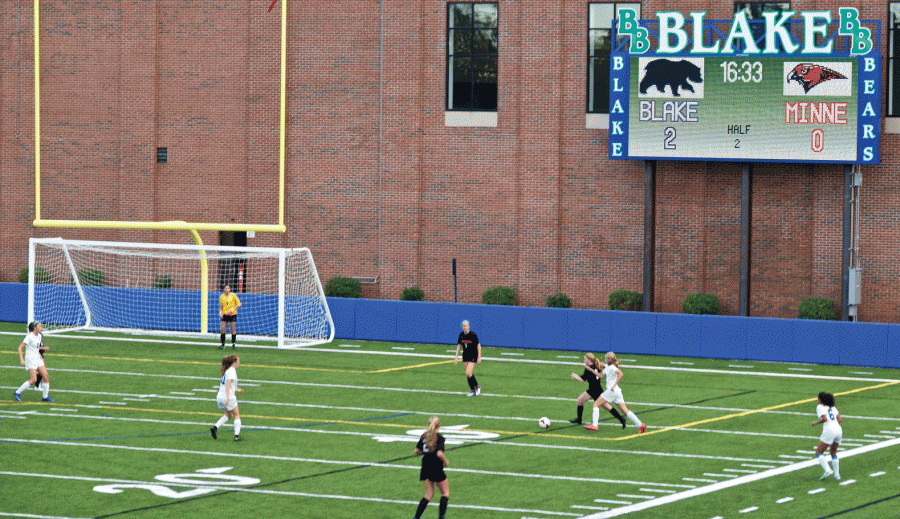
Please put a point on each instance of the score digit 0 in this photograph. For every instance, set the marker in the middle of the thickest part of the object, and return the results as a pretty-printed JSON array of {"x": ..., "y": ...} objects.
[{"x": 818, "y": 140}]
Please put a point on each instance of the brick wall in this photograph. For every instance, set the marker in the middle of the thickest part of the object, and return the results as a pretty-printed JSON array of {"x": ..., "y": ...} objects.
[{"x": 379, "y": 186}]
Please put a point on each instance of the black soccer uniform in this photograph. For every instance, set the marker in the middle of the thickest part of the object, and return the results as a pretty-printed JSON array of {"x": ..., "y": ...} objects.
[
  {"x": 595, "y": 384},
  {"x": 469, "y": 342},
  {"x": 432, "y": 466}
]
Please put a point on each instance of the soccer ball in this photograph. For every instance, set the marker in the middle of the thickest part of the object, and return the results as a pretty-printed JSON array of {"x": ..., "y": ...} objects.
[{"x": 544, "y": 422}]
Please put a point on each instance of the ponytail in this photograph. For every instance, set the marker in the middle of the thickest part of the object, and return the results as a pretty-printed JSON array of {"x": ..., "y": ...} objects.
[
  {"x": 227, "y": 362},
  {"x": 431, "y": 433},
  {"x": 594, "y": 361}
]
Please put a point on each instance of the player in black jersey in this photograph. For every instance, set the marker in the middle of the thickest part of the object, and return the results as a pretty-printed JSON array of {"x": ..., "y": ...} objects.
[
  {"x": 431, "y": 448},
  {"x": 468, "y": 341},
  {"x": 595, "y": 387}
]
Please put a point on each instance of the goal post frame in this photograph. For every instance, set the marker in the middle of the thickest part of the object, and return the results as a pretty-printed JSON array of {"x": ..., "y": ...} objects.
[{"x": 201, "y": 250}]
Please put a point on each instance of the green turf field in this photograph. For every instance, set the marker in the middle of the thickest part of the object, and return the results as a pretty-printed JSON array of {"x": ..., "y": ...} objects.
[{"x": 329, "y": 432}]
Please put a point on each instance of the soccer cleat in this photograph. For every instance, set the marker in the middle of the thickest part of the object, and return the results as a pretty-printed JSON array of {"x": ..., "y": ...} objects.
[
  {"x": 641, "y": 428},
  {"x": 837, "y": 478},
  {"x": 622, "y": 421},
  {"x": 477, "y": 390},
  {"x": 48, "y": 399},
  {"x": 827, "y": 475},
  {"x": 237, "y": 438},
  {"x": 232, "y": 346},
  {"x": 222, "y": 347},
  {"x": 591, "y": 427},
  {"x": 212, "y": 430},
  {"x": 575, "y": 420},
  {"x": 18, "y": 397},
  {"x": 471, "y": 393}
]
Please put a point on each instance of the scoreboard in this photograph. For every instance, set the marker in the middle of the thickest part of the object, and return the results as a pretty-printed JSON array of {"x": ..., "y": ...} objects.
[{"x": 821, "y": 108}]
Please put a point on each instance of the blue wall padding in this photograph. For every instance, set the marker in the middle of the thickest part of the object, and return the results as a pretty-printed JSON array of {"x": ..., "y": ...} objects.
[{"x": 722, "y": 337}]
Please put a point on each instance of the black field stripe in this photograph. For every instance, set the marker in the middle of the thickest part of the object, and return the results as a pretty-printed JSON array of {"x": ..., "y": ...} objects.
[{"x": 860, "y": 506}]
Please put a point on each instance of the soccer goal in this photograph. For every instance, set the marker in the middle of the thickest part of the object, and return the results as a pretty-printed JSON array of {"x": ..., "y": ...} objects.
[{"x": 163, "y": 289}]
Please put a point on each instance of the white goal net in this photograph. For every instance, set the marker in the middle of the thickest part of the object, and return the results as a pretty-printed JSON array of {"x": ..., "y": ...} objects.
[{"x": 174, "y": 290}]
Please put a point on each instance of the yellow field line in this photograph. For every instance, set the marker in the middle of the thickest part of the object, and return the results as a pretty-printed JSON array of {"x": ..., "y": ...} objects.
[
  {"x": 754, "y": 411},
  {"x": 200, "y": 363}
]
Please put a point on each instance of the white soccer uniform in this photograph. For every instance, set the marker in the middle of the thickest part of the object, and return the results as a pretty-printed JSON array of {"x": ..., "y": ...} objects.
[
  {"x": 831, "y": 430},
  {"x": 32, "y": 356},
  {"x": 229, "y": 376},
  {"x": 614, "y": 396}
]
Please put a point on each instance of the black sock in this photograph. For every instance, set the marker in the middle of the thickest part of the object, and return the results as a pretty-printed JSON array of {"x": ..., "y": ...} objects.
[
  {"x": 442, "y": 507},
  {"x": 233, "y": 338},
  {"x": 615, "y": 413},
  {"x": 471, "y": 381},
  {"x": 422, "y": 504},
  {"x": 37, "y": 383},
  {"x": 580, "y": 412},
  {"x": 222, "y": 336},
  {"x": 474, "y": 382}
]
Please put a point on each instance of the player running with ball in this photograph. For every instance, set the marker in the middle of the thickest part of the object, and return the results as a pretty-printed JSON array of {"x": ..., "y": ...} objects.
[
  {"x": 613, "y": 394},
  {"x": 832, "y": 434}
]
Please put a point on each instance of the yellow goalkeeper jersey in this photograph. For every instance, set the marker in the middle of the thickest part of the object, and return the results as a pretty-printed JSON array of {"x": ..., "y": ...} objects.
[{"x": 228, "y": 304}]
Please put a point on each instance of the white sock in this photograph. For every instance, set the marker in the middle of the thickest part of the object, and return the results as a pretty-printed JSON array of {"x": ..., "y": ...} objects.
[
  {"x": 237, "y": 427},
  {"x": 46, "y": 387},
  {"x": 835, "y": 463},
  {"x": 221, "y": 422},
  {"x": 596, "y": 416},
  {"x": 23, "y": 387},
  {"x": 823, "y": 462},
  {"x": 633, "y": 417}
]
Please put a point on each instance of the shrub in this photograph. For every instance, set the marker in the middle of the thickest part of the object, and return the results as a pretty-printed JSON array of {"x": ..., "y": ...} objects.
[
  {"x": 412, "y": 294},
  {"x": 343, "y": 286},
  {"x": 40, "y": 275},
  {"x": 499, "y": 296},
  {"x": 559, "y": 300},
  {"x": 626, "y": 300},
  {"x": 818, "y": 308},
  {"x": 88, "y": 278},
  {"x": 701, "y": 304},
  {"x": 162, "y": 282}
]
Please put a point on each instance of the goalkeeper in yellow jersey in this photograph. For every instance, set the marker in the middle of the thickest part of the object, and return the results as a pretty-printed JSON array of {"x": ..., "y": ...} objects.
[{"x": 228, "y": 305}]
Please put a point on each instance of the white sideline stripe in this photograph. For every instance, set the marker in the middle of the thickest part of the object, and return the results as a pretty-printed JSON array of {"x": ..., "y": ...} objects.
[
  {"x": 402, "y": 348},
  {"x": 892, "y": 433},
  {"x": 816, "y": 491},
  {"x": 799, "y": 369},
  {"x": 757, "y": 466},
  {"x": 284, "y": 493},
  {"x": 722, "y": 485},
  {"x": 612, "y": 502},
  {"x": 337, "y": 462},
  {"x": 739, "y": 366},
  {"x": 634, "y": 496},
  {"x": 784, "y": 500},
  {"x": 683, "y": 363},
  {"x": 699, "y": 480},
  {"x": 710, "y": 474},
  {"x": 135, "y": 400},
  {"x": 113, "y": 403},
  {"x": 790, "y": 457},
  {"x": 186, "y": 394},
  {"x": 65, "y": 410},
  {"x": 585, "y": 507},
  {"x": 882, "y": 436},
  {"x": 10, "y": 514},
  {"x": 742, "y": 471},
  {"x": 513, "y": 354},
  {"x": 16, "y": 417},
  {"x": 848, "y": 482},
  {"x": 349, "y": 346},
  {"x": 658, "y": 491},
  {"x": 628, "y": 360},
  {"x": 807, "y": 452},
  {"x": 861, "y": 373},
  {"x": 566, "y": 357},
  {"x": 874, "y": 474},
  {"x": 748, "y": 510}
]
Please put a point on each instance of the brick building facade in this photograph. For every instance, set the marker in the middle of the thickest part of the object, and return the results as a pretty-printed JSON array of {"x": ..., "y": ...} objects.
[{"x": 381, "y": 180}]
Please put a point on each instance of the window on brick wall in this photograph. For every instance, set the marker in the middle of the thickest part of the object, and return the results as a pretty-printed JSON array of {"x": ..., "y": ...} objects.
[
  {"x": 893, "y": 51},
  {"x": 472, "y": 56},
  {"x": 600, "y": 17}
]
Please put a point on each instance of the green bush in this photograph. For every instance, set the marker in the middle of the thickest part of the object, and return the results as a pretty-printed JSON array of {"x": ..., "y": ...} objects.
[
  {"x": 700, "y": 304},
  {"x": 40, "y": 275},
  {"x": 626, "y": 300},
  {"x": 412, "y": 294},
  {"x": 559, "y": 300},
  {"x": 162, "y": 282},
  {"x": 818, "y": 308},
  {"x": 88, "y": 278},
  {"x": 499, "y": 296},
  {"x": 343, "y": 286}
]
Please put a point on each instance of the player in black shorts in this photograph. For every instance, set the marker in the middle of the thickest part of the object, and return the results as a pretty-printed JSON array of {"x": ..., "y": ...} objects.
[
  {"x": 595, "y": 387},
  {"x": 37, "y": 383},
  {"x": 471, "y": 348},
  {"x": 431, "y": 448}
]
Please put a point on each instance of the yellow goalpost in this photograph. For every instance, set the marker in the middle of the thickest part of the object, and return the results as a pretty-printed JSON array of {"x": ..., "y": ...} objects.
[{"x": 192, "y": 227}]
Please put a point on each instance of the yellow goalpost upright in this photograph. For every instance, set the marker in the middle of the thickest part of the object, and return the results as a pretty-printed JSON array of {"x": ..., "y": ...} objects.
[{"x": 192, "y": 227}]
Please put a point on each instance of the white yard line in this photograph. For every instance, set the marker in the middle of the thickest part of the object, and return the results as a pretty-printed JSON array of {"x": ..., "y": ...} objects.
[
  {"x": 287, "y": 493},
  {"x": 722, "y": 485},
  {"x": 784, "y": 500},
  {"x": 32, "y": 516}
]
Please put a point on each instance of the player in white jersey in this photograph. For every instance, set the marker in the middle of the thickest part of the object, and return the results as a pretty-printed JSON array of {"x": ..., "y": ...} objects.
[
  {"x": 832, "y": 434},
  {"x": 613, "y": 394},
  {"x": 227, "y": 396},
  {"x": 32, "y": 361}
]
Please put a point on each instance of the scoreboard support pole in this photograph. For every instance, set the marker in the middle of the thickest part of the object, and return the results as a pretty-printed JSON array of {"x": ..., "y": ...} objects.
[
  {"x": 746, "y": 244},
  {"x": 649, "y": 232},
  {"x": 845, "y": 261}
]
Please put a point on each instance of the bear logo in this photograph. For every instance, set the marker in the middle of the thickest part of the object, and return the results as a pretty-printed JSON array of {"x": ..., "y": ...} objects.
[
  {"x": 661, "y": 73},
  {"x": 809, "y": 75}
]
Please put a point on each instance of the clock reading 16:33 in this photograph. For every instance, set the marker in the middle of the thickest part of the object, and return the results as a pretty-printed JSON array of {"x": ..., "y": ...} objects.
[{"x": 745, "y": 71}]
